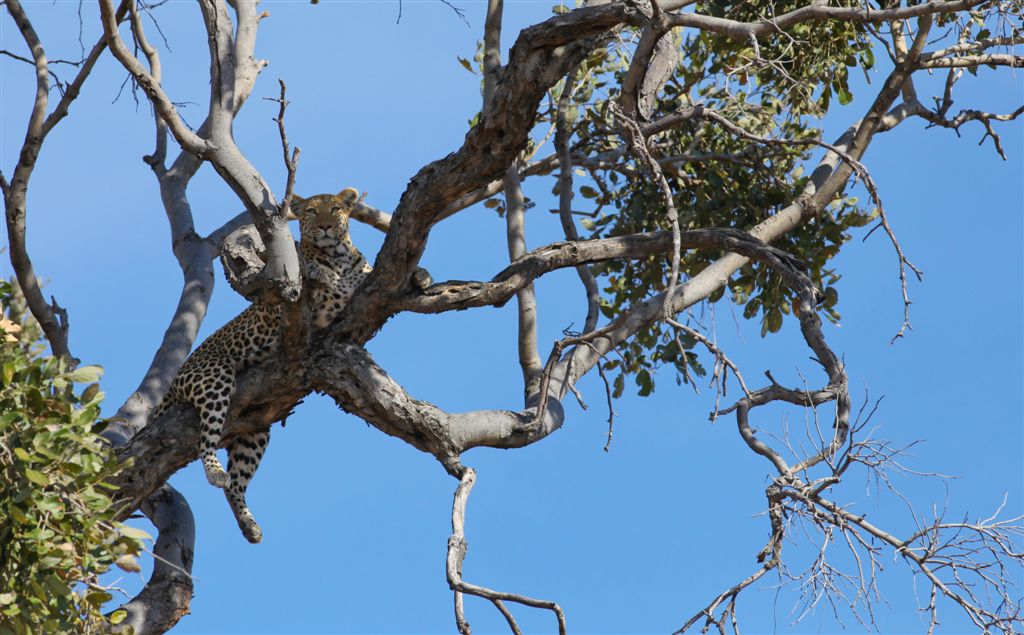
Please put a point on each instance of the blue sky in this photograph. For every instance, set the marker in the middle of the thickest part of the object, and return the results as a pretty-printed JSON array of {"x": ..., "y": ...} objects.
[{"x": 636, "y": 540}]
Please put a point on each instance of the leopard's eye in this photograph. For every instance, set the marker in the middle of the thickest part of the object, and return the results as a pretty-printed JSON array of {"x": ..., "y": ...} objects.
[
  {"x": 335, "y": 210},
  {"x": 311, "y": 210}
]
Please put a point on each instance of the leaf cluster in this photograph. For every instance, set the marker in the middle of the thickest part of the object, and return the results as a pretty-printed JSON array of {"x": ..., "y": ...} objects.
[
  {"x": 57, "y": 528},
  {"x": 775, "y": 89}
]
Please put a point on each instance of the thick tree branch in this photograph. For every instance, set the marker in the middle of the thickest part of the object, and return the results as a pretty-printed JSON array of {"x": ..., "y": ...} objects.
[
  {"x": 166, "y": 597},
  {"x": 268, "y": 393},
  {"x": 541, "y": 56}
]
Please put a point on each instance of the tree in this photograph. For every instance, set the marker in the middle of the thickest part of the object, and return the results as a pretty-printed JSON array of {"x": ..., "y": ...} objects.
[{"x": 706, "y": 177}]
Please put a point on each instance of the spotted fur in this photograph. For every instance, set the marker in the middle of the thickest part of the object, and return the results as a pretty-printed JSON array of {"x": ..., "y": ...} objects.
[
  {"x": 207, "y": 379},
  {"x": 333, "y": 263}
]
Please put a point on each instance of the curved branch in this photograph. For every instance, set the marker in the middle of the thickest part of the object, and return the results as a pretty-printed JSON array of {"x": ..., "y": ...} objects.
[
  {"x": 458, "y": 295},
  {"x": 565, "y": 195},
  {"x": 457, "y": 547},
  {"x": 165, "y": 598},
  {"x": 161, "y": 102}
]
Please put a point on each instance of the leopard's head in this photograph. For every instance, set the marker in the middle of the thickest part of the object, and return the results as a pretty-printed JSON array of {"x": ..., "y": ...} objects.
[{"x": 323, "y": 219}]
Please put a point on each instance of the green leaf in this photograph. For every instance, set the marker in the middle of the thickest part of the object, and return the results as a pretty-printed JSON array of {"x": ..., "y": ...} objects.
[
  {"x": 467, "y": 65},
  {"x": 57, "y": 585},
  {"x": 98, "y": 598},
  {"x": 85, "y": 374},
  {"x": 36, "y": 476},
  {"x": 118, "y": 616},
  {"x": 845, "y": 96},
  {"x": 7, "y": 598},
  {"x": 90, "y": 393},
  {"x": 643, "y": 379},
  {"x": 134, "y": 533},
  {"x": 588, "y": 192},
  {"x": 618, "y": 386},
  {"x": 22, "y": 454}
]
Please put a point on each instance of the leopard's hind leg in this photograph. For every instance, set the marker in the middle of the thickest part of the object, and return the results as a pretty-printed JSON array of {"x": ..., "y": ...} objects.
[{"x": 244, "y": 455}]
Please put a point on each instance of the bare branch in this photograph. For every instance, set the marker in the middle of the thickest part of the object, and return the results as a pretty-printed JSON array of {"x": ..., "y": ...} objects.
[
  {"x": 457, "y": 547},
  {"x": 290, "y": 164},
  {"x": 565, "y": 196},
  {"x": 457, "y": 295},
  {"x": 515, "y": 208},
  {"x": 161, "y": 103},
  {"x": 281, "y": 275},
  {"x": 526, "y": 300},
  {"x": 492, "y": 51},
  {"x": 51, "y": 317}
]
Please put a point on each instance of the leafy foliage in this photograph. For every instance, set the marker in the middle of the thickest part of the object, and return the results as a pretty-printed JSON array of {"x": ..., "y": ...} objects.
[
  {"x": 718, "y": 178},
  {"x": 57, "y": 532}
]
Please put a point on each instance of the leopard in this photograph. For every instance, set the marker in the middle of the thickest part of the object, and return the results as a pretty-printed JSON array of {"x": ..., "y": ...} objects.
[{"x": 334, "y": 268}]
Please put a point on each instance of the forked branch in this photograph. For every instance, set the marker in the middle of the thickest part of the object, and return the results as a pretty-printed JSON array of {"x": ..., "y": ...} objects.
[{"x": 457, "y": 547}]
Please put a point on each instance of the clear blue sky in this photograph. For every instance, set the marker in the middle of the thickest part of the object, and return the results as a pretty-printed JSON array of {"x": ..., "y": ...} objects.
[{"x": 355, "y": 523}]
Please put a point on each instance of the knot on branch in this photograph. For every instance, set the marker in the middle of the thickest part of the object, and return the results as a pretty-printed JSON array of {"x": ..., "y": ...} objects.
[{"x": 243, "y": 256}]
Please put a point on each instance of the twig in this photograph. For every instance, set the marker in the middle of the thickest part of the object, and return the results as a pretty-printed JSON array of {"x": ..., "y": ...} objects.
[
  {"x": 720, "y": 358},
  {"x": 638, "y": 144},
  {"x": 458, "y": 11},
  {"x": 289, "y": 164}
]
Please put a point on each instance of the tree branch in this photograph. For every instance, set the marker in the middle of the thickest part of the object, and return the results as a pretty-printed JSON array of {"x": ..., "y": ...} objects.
[
  {"x": 51, "y": 317},
  {"x": 457, "y": 547},
  {"x": 816, "y": 12},
  {"x": 166, "y": 597},
  {"x": 541, "y": 56},
  {"x": 565, "y": 196},
  {"x": 281, "y": 275}
]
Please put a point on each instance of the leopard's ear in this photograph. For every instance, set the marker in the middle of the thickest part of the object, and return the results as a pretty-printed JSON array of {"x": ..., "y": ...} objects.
[
  {"x": 297, "y": 202},
  {"x": 348, "y": 196}
]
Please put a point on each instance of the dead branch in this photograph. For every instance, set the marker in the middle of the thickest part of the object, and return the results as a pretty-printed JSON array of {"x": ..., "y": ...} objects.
[{"x": 457, "y": 547}]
